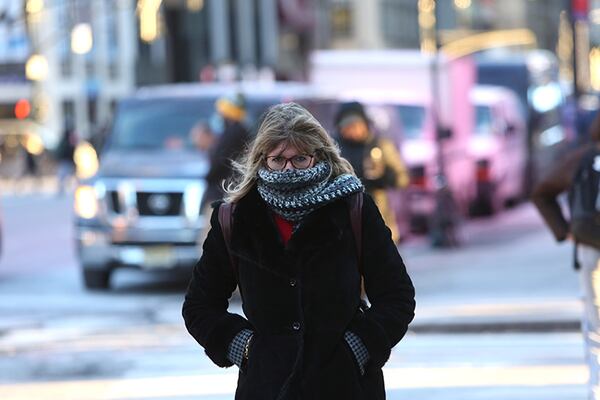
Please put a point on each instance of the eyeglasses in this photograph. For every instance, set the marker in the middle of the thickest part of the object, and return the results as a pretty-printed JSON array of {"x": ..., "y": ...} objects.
[{"x": 278, "y": 163}]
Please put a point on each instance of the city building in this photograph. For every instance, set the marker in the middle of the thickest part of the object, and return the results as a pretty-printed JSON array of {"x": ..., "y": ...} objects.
[
  {"x": 14, "y": 50},
  {"x": 205, "y": 40},
  {"x": 44, "y": 57},
  {"x": 70, "y": 60}
]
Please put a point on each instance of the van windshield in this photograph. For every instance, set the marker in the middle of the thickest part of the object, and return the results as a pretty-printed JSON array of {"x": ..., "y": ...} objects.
[
  {"x": 483, "y": 121},
  {"x": 413, "y": 120},
  {"x": 159, "y": 124}
]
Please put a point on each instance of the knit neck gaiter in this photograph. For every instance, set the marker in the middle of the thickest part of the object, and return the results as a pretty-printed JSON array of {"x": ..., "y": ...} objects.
[{"x": 295, "y": 193}]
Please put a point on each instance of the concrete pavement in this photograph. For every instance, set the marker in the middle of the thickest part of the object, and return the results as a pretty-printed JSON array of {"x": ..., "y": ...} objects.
[
  {"x": 510, "y": 275},
  {"x": 515, "y": 278},
  {"x": 58, "y": 341}
]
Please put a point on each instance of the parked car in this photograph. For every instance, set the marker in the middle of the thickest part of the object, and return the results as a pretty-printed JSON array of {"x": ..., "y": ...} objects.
[
  {"x": 142, "y": 208},
  {"x": 498, "y": 147}
]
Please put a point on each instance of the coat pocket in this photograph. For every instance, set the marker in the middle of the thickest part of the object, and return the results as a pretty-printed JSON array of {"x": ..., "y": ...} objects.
[
  {"x": 266, "y": 369},
  {"x": 338, "y": 378}
]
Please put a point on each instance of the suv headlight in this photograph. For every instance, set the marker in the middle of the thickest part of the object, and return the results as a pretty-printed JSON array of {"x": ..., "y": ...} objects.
[
  {"x": 86, "y": 202},
  {"x": 86, "y": 160}
]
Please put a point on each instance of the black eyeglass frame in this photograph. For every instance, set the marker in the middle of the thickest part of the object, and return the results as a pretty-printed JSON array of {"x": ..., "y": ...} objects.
[{"x": 290, "y": 160}]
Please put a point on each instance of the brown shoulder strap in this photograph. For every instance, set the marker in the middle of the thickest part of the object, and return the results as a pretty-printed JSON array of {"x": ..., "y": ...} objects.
[
  {"x": 356, "y": 202},
  {"x": 226, "y": 221}
]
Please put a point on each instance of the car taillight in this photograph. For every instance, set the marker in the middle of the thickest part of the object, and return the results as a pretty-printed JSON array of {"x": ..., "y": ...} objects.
[
  {"x": 483, "y": 171},
  {"x": 418, "y": 178}
]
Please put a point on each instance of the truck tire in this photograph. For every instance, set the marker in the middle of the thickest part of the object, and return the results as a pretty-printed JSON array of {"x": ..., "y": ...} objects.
[{"x": 96, "y": 279}]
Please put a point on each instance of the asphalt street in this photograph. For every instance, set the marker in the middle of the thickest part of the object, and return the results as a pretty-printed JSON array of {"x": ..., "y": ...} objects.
[{"x": 497, "y": 318}]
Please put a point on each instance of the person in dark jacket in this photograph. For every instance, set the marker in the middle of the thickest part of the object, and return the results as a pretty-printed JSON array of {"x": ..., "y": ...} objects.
[
  {"x": 65, "y": 156},
  {"x": 375, "y": 160},
  {"x": 545, "y": 197},
  {"x": 304, "y": 334},
  {"x": 231, "y": 140}
]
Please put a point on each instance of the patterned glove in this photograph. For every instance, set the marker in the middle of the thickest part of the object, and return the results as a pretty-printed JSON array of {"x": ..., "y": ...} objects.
[
  {"x": 361, "y": 354},
  {"x": 238, "y": 347}
]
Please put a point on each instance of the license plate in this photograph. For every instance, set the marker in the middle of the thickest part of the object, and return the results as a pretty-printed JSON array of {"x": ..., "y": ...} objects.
[{"x": 159, "y": 257}]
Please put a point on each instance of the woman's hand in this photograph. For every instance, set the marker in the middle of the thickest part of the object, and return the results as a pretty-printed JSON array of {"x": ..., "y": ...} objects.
[{"x": 374, "y": 166}]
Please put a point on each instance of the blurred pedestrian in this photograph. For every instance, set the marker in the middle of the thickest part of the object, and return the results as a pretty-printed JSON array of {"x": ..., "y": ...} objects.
[
  {"x": 292, "y": 246},
  {"x": 231, "y": 137},
  {"x": 204, "y": 140},
  {"x": 202, "y": 137},
  {"x": 64, "y": 156},
  {"x": 31, "y": 165},
  {"x": 375, "y": 160},
  {"x": 580, "y": 166},
  {"x": 99, "y": 135}
]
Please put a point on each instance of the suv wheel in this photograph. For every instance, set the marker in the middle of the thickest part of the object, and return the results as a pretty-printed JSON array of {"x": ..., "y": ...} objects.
[{"x": 96, "y": 279}]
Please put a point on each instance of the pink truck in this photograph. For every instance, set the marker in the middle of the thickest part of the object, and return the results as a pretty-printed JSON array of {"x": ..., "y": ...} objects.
[{"x": 396, "y": 86}]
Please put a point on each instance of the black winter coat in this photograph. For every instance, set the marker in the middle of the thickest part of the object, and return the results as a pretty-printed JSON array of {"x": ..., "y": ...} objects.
[{"x": 299, "y": 299}]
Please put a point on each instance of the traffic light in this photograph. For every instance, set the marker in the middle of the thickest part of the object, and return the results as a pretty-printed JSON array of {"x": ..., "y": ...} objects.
[{"x": 22, "y": 109}]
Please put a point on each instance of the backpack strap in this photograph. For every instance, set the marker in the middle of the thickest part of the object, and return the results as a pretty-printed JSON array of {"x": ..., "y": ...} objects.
[
  {"x": 226, "y": 221},
  {"x": 355, "y": 204}
]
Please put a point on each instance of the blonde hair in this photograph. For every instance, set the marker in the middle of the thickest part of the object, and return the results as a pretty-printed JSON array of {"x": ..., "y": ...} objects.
[{"x": 287, "y": 123}]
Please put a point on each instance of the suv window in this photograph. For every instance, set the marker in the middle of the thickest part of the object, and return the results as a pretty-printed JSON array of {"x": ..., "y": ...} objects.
[
  {"x": 483, "y": 120},
  {"x": 413, "y": 120},
  {"x": 159, "y": 124}
]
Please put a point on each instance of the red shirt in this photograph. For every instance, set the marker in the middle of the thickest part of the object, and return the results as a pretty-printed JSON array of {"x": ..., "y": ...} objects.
[{"x": 284, "y": 227}]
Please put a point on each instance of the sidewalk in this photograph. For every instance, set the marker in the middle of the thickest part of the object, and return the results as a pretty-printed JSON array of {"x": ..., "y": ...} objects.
[
  {"x": 510, "y": 276},
  {"x": 511, "y": 315},
  {"x": 13, "y": 187}
]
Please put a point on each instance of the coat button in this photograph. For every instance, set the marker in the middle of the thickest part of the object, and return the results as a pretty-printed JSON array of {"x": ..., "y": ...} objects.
[
  {"x": 296, "y": 326},
  {"x": 292, "y": 282}
]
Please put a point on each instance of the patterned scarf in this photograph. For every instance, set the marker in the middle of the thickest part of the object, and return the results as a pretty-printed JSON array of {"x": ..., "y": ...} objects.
[{"x": 295, "y": 193}]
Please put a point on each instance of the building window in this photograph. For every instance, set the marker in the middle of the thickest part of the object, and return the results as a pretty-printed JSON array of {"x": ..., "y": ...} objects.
[
  {"x": 68, "y": 110},
  {"x": 399, "y": 23},
  {"x": 64, "y": 21},
  {"x": 342, "y": 23},
  {"x": 14, "y": 45},
  {"x": 112, "y": 37}
]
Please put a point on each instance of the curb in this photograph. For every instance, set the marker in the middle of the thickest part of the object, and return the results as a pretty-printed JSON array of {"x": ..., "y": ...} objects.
[{"x": 497, "y": 327}]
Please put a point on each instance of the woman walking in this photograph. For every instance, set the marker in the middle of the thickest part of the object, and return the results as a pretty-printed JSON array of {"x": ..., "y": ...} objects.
[{"x": 297, "y": 251}]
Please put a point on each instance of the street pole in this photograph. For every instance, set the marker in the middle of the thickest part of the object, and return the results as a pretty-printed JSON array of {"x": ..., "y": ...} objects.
[
  {"x": 578, "y": 11},
  {"x": 444, "y": 220},
  {"x": 581, "y": 47},
  {"x": 102, "y": 73},
  {"x": 81, "y": 102},
  {"x": 81, "y": 44}
]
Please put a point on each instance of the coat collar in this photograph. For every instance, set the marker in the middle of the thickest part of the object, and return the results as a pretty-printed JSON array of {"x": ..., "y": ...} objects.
[{"x": 255, "y": 237}]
